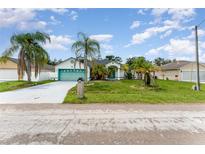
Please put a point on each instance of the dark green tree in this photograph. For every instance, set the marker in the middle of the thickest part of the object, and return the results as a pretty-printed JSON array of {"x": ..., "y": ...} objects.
[{"x": 114, "y": 58}]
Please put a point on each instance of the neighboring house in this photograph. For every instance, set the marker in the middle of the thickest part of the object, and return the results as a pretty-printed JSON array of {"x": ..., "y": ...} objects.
[
  {"x": 8, "y": 71},
  {"x": 181, "y": 71},
  {"x": 71, "y": 69}
]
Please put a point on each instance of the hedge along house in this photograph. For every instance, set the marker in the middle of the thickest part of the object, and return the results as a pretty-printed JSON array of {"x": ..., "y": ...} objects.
[
  {"x": 181, "y": 71},
  {"x": 8, "y": 71},
  {"x": 71, "y": 69}
]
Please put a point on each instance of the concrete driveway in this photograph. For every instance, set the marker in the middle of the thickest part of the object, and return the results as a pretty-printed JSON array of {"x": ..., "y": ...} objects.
[{"x": 47, "y": 93}]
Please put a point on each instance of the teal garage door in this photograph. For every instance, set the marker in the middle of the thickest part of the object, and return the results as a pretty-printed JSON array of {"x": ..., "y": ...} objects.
[{"x": 70, "y": 74}]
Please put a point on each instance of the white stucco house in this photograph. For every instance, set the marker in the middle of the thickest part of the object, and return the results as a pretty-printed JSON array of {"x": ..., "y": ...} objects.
[
  {"x": 181, "y": 71},
  {"x": 71, "y": 69},
  {"x": 8, "y": 72}
]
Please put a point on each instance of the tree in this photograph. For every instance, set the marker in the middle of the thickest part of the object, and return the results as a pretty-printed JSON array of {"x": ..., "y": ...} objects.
[
  {"x": 147, "y": 68},
  {"x": 31, "y": 53},
  {"x": 88, "y": 47},
  {"x": 137, "y": 65},
  {"x": 161, "y": 61},
  {"x": 54, "y": 62},
  {"x": 110, "y": 57},
  {"x": 99, "y": 72},
  {"x": 130, "y": 61},
  {"x": 143, "y": 66},
  {"x": 114, "y": 58},
  {"x": 127, "y": 71}
]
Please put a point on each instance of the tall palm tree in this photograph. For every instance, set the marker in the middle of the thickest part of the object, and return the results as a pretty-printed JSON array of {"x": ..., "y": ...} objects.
[
  {"x": 31, "y": 53},
  {"x": 87, "y": 47}
]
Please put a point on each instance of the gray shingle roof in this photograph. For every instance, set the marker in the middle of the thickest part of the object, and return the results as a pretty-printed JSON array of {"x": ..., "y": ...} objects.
[
  {"x": 102, "y": 61},
  {"x": 175, "y": 65},
  {"x": 14, "y": 60},
  {"x": 45, "y": 67}
]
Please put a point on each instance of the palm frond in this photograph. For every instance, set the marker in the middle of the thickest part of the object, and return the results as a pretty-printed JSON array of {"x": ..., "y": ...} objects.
[{"x": 82, "y": 36}]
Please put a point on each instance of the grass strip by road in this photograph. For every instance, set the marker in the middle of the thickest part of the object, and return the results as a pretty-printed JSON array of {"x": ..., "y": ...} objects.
[
  {"x": 133, "y": 91},
  {"x": 13, "y": 85}
]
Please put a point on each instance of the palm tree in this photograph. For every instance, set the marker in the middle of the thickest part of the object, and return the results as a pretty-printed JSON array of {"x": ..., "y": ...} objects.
[
  {"x": 87, "y": 47},
  {"x": 31, "y": 53},
  {"x": 99, "y": 72},
  {"x": 145, "y": 67},
  {"x": 137, "y": 65}
]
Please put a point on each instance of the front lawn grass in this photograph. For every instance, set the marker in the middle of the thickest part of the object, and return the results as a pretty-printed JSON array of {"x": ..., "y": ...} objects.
[
  {"x": 13, "y": 85},
  {"x": 133, "y": 91}
]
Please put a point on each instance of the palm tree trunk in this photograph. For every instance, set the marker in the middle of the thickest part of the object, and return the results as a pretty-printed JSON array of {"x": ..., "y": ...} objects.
[
  {"x": 28, "y": 70},
  {"x": 21, "y": 64},
  {"x": 86, "y": 68},
  {"x": 147, "y": 79}
]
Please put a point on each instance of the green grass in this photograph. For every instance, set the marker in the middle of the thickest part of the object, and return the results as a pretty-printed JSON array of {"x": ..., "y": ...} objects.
[
  {"x": 133, "y": 91},
  {"x": 13, "y": 85}
]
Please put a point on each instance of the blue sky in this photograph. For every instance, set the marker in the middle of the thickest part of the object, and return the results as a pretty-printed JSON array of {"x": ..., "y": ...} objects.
[{"x": 151, "y": 33}]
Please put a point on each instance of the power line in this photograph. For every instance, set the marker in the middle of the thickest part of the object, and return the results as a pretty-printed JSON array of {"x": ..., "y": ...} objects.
[{"x": 201, "y": 22}]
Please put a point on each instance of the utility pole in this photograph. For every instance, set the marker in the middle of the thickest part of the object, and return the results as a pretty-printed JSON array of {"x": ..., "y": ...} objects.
[{"x": 197, "y": 60}]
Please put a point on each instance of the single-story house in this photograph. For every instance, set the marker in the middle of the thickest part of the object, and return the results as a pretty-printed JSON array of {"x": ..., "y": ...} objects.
[
  {"x": 8, "y": 71},
  {"x": 71, "y": 69},
  {"x": 181, "y": 71}
]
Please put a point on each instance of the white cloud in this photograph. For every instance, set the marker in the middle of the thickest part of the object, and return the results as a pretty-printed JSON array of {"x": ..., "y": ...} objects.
[
  {"x": 11, "y": 17},
  {"x": 167, "y": 33},
  {"x": 60, "y": 42},
  {"x": 152, "y": 52},
  {"x": 158, "y": 11},
  {"x": 23, "y": 18},
  {"x": 181, "y": 14},
  {"x": 54, "y": 21},
  {"x": 142, "y": 11},
  {"x": 158, "y": 14},
  {"x": 167, "y": 28},
  {"x": 106, "y": 46},
  {"x": 102, "y": 37},
  {"x": 171, "y": 23},
  {"x": 139, "y": 38},
  {"x": 73, "y": 15},
  {"x": 59, "y": 10},
  {"x": 201, "y": 33},
  {"x": 178, "y": 15},
  {"x": 180, "y": 49},
  {"x": 109, "y": 52},
  {"x": 135, "y": 24},
  {"x": 37, "y": 25}
]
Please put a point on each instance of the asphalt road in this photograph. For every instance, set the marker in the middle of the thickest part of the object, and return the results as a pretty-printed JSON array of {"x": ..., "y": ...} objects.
[{"x": 102, "y": 124}]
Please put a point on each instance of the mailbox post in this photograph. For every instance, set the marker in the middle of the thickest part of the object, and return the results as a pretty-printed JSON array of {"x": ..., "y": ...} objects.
[{"x": 80, "y": 88}]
